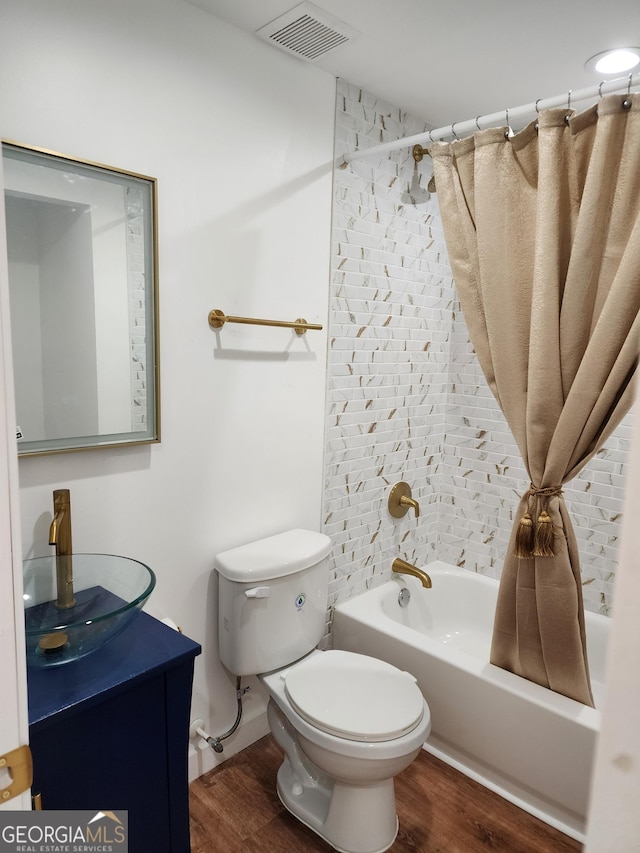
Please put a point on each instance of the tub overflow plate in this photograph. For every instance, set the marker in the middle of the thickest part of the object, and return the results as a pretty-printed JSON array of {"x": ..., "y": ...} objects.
[{"x": 404, "y": 597}]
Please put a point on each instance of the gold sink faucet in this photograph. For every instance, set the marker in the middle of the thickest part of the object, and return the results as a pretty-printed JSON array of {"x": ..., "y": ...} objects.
[
  {"x": 403, "y": 568},
  {"x": 60, "y": 536}
]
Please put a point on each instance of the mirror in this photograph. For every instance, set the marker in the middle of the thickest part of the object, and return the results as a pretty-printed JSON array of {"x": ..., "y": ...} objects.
[{"x": 81, "y": 243}]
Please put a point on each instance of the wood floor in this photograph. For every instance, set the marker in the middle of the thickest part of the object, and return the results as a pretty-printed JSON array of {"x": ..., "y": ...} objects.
[{"x": 235, "y": 808}]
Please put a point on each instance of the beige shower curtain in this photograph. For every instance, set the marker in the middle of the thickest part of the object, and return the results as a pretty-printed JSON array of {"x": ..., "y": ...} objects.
[{"x": 543, "y": 235}]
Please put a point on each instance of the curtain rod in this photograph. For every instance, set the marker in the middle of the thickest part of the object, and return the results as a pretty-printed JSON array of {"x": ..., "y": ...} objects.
[{"x": 472, "y": 125}]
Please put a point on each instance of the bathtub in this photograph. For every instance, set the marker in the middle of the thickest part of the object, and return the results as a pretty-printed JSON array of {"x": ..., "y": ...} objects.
[{"x": 530, "y": 745}]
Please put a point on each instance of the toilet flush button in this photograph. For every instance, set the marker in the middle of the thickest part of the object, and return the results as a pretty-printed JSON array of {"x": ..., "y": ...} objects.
[{"x": 258, "y": 592}]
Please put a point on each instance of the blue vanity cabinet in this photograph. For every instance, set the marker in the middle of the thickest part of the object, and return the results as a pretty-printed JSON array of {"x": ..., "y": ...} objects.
[{"x": 111, "y": 731}]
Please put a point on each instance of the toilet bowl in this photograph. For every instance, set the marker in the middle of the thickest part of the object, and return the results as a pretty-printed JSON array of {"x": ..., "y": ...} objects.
[{"x": 347, "y": 723}]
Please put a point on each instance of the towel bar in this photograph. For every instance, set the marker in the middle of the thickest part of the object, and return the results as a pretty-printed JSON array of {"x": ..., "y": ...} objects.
[{"x": 218, "y": 318}]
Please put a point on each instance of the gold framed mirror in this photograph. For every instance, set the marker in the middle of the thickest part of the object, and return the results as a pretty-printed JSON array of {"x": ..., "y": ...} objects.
[{"x": 82, "y": 252}]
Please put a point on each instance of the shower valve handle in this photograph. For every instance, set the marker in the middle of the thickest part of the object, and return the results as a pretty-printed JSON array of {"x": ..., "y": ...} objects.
[{"x": 400, "y": 501}]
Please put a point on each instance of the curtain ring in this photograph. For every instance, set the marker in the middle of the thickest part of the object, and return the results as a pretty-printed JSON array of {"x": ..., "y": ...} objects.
[
  {"x": 537, "y": 124},
  {"x": 508, "y": 132},
  {"x": 567, "y": 117},
  {"x": 626, "y": 104},
  {"x": 453, "y": 130},
  {"x": 477, "y": 124},
  {"x": 430, "y": 137},
  {"x": 600, "y": 88}
]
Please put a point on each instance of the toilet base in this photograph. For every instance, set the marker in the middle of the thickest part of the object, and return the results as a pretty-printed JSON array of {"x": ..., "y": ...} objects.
[{"x": 351, "y": 818}]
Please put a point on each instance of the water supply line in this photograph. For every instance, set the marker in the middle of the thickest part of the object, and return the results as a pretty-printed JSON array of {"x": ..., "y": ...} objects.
[{"x": 216, "y": 742}]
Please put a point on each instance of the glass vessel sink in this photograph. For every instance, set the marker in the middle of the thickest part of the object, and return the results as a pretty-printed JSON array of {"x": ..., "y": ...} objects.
[{"x": 108, "y": 593}]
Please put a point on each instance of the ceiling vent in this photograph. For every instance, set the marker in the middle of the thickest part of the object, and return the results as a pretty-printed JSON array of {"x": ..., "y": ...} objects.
[{"x": 307, "y": 32}]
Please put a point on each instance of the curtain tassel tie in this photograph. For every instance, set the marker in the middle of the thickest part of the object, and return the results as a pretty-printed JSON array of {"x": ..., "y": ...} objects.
[
  {"x": 543, "y": 539},
  {"x": 536, "y": 540},
  {"x": 524, "y": 538}
]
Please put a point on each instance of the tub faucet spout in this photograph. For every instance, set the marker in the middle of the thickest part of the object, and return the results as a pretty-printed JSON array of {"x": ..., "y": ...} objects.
[
  {"x": 402, "y": 567},
  {"x": 60, "y": 536}
]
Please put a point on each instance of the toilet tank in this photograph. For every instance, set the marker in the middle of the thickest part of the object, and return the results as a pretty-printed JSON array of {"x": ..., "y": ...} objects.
[{"x": 272, "y": 600}]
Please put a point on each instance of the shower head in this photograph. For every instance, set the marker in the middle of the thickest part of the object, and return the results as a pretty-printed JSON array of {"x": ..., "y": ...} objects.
[{"x": 415, "y": 194}]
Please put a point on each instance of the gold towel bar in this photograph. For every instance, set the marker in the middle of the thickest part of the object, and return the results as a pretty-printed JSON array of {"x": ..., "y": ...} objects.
[{"x": 218, "y": 318}]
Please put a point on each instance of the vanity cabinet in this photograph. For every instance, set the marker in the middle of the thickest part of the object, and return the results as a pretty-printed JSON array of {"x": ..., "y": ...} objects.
[{"x": 111, "y": 731}]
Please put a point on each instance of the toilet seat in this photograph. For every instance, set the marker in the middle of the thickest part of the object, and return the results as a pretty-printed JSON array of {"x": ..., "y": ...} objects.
[{"x": 354, "y": 696}]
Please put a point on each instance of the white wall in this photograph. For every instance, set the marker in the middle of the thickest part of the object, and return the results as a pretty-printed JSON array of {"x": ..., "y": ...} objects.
[
  {"x": 240, "y": 138},
  {"x": 614, "y": 819}
]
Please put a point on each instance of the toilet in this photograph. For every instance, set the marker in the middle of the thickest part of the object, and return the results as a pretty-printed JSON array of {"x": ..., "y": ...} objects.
[{"x": 347, "y": 723}]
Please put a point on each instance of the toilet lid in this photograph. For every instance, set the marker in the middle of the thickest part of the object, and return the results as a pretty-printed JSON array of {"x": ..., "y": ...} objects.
[{"x": 354, "y": 696}]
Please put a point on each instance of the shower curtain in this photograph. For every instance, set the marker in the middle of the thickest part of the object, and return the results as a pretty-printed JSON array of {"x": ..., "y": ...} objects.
[{"x": 543, "y": 234}]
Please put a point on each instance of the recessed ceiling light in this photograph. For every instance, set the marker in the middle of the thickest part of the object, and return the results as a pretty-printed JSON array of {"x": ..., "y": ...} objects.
[{"x": 615, "y": 61}]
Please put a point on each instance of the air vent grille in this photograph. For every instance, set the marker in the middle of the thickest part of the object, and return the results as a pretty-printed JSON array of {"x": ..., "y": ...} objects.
[
  {"x": 308, "y": 37},
  {"x": 307, "y": 32}
]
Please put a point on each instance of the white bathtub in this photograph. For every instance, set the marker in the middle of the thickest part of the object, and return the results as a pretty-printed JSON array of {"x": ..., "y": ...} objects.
[{"x": 532, "y": 746}]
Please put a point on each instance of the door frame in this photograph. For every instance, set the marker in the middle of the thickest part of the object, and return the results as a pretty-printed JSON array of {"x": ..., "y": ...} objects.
[{"x": 14, "y": 721}]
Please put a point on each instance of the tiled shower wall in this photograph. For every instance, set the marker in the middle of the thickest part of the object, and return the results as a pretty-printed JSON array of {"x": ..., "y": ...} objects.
[
  {"x": 389, "y": 337},
  {"x": 406, "y": 397}
]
